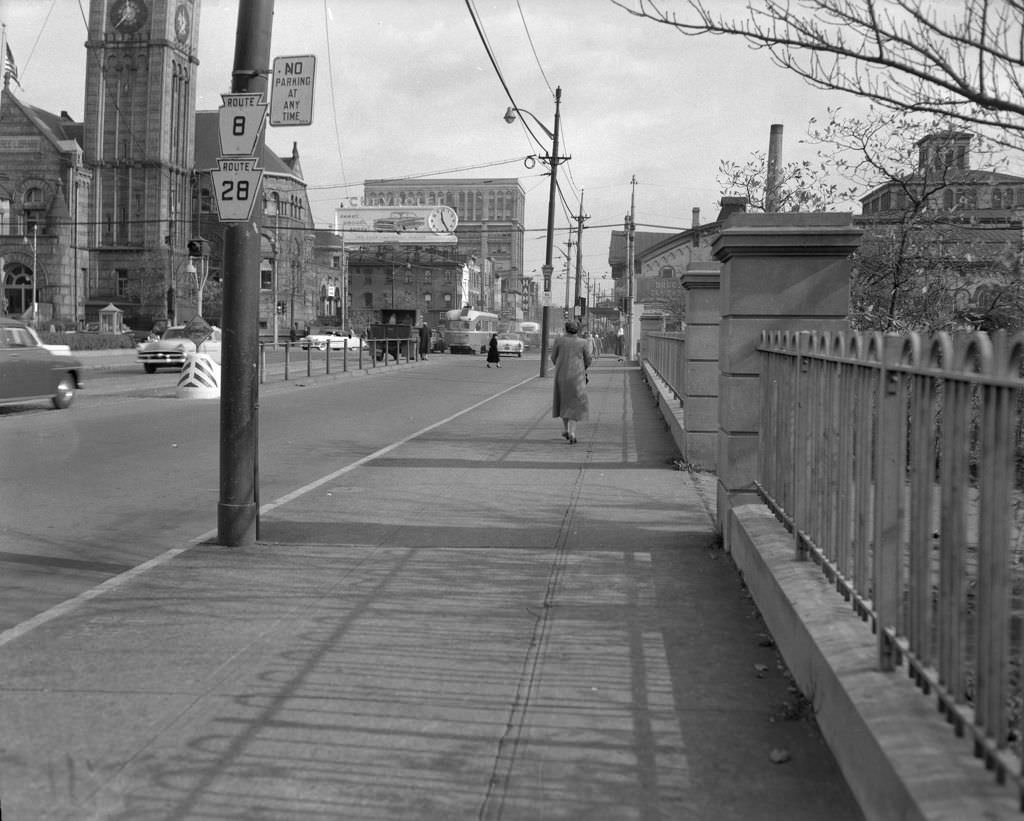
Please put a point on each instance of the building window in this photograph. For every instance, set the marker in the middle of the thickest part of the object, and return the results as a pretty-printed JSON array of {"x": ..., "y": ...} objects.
[
  {"x": 33, "y": 210},
  {"x": 266, "y": 279},
  {"x": 447, "y": 299},
  {"x": 335, "y": 262},
  {"x": 368, "y": 300},
  {"x": 121, "y": 289},
  {"x": 426, "y": 298}
]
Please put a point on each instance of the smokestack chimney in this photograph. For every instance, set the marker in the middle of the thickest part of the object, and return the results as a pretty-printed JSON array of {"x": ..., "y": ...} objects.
[
  {"x": 696, "y": 218},
  {"x": 771, "y": 191}
]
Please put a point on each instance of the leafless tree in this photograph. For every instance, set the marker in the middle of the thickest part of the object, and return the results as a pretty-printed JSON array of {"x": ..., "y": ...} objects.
[
  {"x": 926, "y": 263},
  {"x": 962, "y": 60}
]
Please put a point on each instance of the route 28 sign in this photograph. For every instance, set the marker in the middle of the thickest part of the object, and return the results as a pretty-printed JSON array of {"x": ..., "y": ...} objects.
[{"x": 237, "y": 183}]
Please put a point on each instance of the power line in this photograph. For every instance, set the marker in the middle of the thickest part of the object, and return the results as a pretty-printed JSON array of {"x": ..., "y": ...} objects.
[
  {"x": 334, "y": 95},
  {"x": 533, "y": 48}
]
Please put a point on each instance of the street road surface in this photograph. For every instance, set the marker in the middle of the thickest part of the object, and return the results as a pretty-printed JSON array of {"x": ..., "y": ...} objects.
[{"x": 131, "y": 471}]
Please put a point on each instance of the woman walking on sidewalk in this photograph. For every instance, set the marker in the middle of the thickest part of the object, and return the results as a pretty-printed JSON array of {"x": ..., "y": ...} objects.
[{"x": 571, "y": 355}]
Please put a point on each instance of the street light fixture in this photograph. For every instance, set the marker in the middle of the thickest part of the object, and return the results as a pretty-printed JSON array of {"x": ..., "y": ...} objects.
[
  {"x": 35, "y": 272},
  {"x": 553, "y": 160}
]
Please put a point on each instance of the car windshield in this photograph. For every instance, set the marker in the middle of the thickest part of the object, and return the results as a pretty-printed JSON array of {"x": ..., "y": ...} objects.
[
  {"x": 18, "y": 337},
  {"x": 175, "y": 333}
]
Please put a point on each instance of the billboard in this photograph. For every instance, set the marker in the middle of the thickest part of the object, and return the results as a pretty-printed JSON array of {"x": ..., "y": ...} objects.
[{"x": 399, "y": 224}]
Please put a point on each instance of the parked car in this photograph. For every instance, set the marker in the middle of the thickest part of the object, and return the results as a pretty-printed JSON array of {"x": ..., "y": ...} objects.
[
  {"x": 335, "y": 340},
  {"x": 398, "y": 221},
  {"x": 170, "y": 350},
  {"x": 30, "y": 370},
  {"x": 510, "y": 344}
]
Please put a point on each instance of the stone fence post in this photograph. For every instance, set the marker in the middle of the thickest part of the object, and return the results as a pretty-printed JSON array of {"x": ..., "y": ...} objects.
[
  {"x": 700, "y": 387},
  {"x": 779, "y": 271}
]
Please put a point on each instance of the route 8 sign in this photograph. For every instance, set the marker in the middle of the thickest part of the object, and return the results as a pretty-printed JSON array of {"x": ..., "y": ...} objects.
[
  {"x": 241, "y": 121},
  {"x": 237, "y": 184}
]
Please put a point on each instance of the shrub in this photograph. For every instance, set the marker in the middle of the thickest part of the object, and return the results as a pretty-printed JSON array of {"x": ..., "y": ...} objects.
[{"x": 88, "y": 341}]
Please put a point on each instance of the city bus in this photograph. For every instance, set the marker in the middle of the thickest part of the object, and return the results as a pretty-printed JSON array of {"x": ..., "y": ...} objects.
[
  {"x": 469, "y": 331},
  {"x": 530, "y": 332}
]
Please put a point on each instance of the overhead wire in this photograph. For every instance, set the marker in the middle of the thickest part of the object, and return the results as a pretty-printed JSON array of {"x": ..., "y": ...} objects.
[
  {"x": 567, "y": 211},
  {"x": 334, "y": 95},
  {"x": 533, "y": 48}
]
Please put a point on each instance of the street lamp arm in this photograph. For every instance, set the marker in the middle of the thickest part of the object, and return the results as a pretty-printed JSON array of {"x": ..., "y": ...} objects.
[{"x": 510, "y": 117}]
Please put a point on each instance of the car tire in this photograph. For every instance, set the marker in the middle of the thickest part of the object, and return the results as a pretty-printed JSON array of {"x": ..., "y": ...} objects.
[
  {"x": 149, "y": 368},
  {"x": 65, "y": 391}
]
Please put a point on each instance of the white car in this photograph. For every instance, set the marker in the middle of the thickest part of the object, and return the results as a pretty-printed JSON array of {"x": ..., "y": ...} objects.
[
  {"x": 510, "y": 344},
  {"x": 335, "y": 340},
  {"x": 170, "y": 350}
]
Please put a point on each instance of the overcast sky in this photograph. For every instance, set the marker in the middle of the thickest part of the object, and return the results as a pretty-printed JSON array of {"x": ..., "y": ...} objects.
[{"x": 405, "y": 87}]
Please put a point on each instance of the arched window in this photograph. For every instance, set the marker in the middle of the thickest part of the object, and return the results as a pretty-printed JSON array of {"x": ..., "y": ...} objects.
[{"x": 17, "y": 291}]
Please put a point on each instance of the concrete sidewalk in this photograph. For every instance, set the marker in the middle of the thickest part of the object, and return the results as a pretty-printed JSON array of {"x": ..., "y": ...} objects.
[{"x": 480, "y": 622}]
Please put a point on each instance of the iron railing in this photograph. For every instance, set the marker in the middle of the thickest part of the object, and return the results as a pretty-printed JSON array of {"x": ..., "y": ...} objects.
[
  {"x": 294, "y": 360},
  {"x": 666, "y": 354},
  {"x": 896, "y": 462}
]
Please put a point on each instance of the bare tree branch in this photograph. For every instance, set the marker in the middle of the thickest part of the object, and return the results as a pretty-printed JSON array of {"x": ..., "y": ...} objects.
[{"x": 963, "y": 61}]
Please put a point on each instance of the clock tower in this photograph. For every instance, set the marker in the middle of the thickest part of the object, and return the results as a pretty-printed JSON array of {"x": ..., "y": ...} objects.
[{"x": 140, "y": 96}]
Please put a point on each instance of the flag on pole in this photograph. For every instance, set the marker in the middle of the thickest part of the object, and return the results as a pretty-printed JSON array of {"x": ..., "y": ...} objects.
[{"x": 10, "y": 67}]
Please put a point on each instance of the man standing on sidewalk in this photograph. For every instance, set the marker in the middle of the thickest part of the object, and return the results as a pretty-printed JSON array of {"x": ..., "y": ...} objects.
[{"x": 424, "y": 339}]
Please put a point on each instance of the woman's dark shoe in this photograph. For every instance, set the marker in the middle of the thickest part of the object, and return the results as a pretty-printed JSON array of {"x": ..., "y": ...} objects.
[
  {"x": 565, "y": 434},
  {"x": 572, "y": 439}
]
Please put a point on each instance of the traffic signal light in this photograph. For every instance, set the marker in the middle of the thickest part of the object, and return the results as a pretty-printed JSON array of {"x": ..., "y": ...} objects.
[{"x": 280, "y": 307}]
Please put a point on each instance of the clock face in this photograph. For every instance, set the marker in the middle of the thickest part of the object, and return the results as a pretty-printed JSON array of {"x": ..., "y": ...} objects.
[
  {"x": 443, "y": 220},
  {"x": 182, "y": 23},
  {"x": 128, "y": 16}
]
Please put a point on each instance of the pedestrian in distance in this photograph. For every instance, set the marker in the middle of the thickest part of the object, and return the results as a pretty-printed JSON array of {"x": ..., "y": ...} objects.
[
  {"x": 492, "y": 351},
  {"x": 571, "y": 356},
  {"x": 424, "y": 340}
]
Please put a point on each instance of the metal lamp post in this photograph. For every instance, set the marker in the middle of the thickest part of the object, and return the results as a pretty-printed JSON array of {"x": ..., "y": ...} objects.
[
  {"x": 35, "y": 273},
  {"x": 510, "y": 116}
]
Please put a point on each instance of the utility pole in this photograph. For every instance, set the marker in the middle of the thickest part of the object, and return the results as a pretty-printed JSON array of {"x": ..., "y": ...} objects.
[
  {"x": 238, "y": 507},
  {"x": 631, "y": 273},
  {"x": 547, "y": 268},
  {"x": 579, "y": 248}
]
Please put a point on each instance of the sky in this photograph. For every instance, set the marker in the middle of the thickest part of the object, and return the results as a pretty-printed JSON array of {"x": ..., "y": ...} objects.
[{"x": 406, "y": 88}]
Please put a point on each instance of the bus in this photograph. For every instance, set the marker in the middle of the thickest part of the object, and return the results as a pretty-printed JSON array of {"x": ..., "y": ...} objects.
[
  {"x": 469, "y": 331},
  {"x": 530, "y": 332}
]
